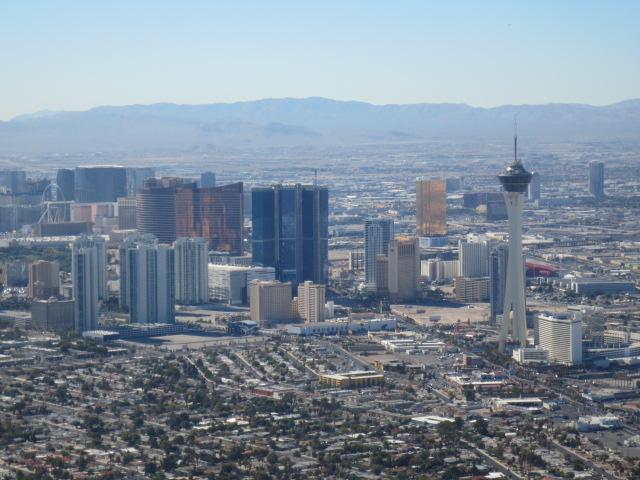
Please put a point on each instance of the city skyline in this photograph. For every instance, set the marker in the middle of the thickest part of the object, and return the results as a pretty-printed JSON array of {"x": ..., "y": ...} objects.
[
  {"x": 424, "y": 338},
  {"x": 65, "y": 56}
]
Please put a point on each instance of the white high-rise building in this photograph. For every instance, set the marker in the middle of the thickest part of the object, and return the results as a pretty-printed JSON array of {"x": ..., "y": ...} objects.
[
  {"x": 89, "y": 278},
  {"x": 191, "y": 273},
  {"x": 436, "y": 270},
  {"x": 147, "y": 279},
  {"x": 377, "y": 234},
  {"x": 561, "y": 335},
  {"x": 515, "y": 181},
  {"x": 311, "y": 302},
  {"x": 473, "y": 259},
  {"x": 99, "y": 243}
]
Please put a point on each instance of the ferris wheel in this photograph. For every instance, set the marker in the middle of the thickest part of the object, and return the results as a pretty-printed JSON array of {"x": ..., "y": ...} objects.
[{"x": 53, "y": 211}]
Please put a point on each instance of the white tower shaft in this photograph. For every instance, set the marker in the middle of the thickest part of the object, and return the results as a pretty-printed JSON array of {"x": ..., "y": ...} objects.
[{"x": 514, "y": 312}]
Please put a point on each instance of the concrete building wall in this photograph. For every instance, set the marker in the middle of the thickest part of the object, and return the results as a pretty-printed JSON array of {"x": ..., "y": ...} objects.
[
  {"x": 311, "y": 301},
  {"x": 270, "y": 302},
  {"x": 472, "y": 289},
  {"x": 44, "y": 279},
  {"x": 52, "y": 314},
  {"x": 404, "y": 269}
]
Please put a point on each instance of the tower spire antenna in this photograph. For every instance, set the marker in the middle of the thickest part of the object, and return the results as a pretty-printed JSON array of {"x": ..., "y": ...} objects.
[{"x": 515, "y": 139}]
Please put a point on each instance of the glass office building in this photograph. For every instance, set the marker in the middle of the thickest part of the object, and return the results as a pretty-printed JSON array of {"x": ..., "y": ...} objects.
[{"x": 290, "y": 231}]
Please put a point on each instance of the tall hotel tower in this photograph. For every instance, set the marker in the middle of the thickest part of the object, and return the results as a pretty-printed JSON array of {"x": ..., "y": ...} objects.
[
  {"x": 596, "y": 178},
  {"x": 170, "y": 209},
  {"x": 403, "y": 272},
  {"x": 89, "y": 277},
  {"x": 147, "y": 280},
  {"x": 290, "y": 231},
  {"x": 431, "y": 207},
  {"x": 192, "y": 275},
  {"x": 515, "y": 181},
  {"x": 378, "y": 232}
]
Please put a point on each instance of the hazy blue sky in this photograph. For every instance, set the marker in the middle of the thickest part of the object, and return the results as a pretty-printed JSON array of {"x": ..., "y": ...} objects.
[{"x": 74, "y": 55}]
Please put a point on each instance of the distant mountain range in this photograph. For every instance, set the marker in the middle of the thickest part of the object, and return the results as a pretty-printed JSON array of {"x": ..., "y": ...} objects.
[{"x": 311, "y": 121}]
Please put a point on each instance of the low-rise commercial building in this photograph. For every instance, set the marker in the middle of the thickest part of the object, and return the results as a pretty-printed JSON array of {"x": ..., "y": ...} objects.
[
  {"x": 533, "y": 355},
  {"x": 591, "y": 424},
  {"x": 352, "y": 379},
  {"x": 396, "y": 366},
  {"x": 342, "y": 328},
  {"x": 531, "y": 404}
]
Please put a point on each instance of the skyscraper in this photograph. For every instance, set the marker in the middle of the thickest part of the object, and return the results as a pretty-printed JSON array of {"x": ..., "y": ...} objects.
[
  {"x": 498, "y": 280},
  {"x": 52, "y": 314},
  {"x": 596, "y": 178},
  {"x": 533, "y": 190},
  {"x": 107, "y": 183},
  {"x": 270, "y": 302},
  {"x": 170, "y": 209},
  {"x": 135, "y": 176},
  {"x": 88, "y": 273},
  {"x": 14, "y": 180},
  {"x": 44, "y": 279},
  {"x": 471, "y": 289},
  {"x": 66, "y": 183},
  {"x": 290, "y": 231},
  {"x": 191, "y": 272},
  {"x": 126, "y": 214},
  {"x": 377, "y": 234},
  {"x": 220, "y": 217},
  {"x": 514, "y": 181},
  {"x": 147, "y": 279},
  {"x": 311, "y": 300},
  {"x": 404, "y": 269},
  {"x": 431, "y": 207},
  {"x": 473, "y": 258},
  {"x": 156, "y": 208},
  {"x": 382, "y": 273},
  {"x": 100, "y": 183},
  {"x": 207, "y": 180},
  {"x": 561, "y": 335}
]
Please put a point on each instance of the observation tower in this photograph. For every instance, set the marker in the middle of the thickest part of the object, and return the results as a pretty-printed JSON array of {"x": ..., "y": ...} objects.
[{"x": 515, "y": 181}]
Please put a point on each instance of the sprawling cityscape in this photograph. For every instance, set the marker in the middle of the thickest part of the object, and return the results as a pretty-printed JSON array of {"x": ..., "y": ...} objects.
[{"x": 409, "y": 310}]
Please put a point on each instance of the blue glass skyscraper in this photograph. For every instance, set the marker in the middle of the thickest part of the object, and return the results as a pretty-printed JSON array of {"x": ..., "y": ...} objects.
[{"x": 290, "y": 231}]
